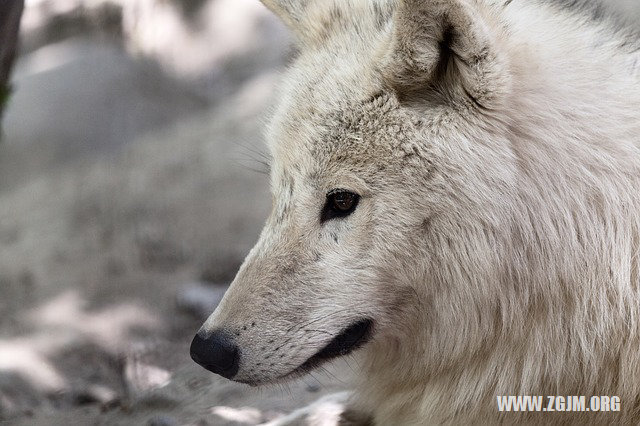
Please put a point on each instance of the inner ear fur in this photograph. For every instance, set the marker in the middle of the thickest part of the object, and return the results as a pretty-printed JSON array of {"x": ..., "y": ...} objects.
[{"x": 445, "y": 49}]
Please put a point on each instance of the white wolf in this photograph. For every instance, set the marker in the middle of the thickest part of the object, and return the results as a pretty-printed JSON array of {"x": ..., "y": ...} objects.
[{"x": 456, "y": 194}]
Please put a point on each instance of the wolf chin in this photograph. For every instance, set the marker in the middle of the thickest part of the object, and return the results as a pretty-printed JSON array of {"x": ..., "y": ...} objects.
[{"x": 456, "y": 200}]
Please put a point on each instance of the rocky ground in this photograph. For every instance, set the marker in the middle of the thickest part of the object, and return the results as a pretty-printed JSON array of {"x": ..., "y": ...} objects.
[{"x": 130, "y": 191}]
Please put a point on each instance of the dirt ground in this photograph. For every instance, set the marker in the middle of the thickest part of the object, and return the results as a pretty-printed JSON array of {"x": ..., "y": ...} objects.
[{"x": 130, "y": 191}]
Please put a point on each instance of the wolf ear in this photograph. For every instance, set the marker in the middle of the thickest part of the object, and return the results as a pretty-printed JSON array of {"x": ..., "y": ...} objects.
[
  {"x": 292, "y": 12},
  {"x": 314, "y": 21},
  {"x": 308, "y": 19},
  {"x": 444, "y": 49}
]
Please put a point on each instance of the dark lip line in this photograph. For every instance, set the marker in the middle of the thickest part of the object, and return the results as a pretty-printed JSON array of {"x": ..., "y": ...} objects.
[{"x": 364, "y": 329}]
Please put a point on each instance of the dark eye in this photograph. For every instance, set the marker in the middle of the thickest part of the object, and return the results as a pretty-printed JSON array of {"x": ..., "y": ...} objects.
[{"x": 340, "y": 203}]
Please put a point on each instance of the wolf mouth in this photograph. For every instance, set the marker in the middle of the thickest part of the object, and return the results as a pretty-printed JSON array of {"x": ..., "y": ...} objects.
[{"x": 350, "y": 339}]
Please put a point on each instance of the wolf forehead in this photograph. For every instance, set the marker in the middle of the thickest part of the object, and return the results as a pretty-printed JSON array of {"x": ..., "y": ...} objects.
[
  {"x": 374, "y": 132},
  {"x": 327, "y": 119}
]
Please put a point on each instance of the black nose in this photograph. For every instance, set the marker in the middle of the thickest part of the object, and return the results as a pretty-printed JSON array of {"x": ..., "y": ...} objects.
[{"x": 216, "y": 352}]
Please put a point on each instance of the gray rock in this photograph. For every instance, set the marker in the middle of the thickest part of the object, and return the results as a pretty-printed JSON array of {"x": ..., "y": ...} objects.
[
  {"x": 97, "y": 394},
  {"x": 200, "y": 299},
  {"x": 162, "y": 420}
]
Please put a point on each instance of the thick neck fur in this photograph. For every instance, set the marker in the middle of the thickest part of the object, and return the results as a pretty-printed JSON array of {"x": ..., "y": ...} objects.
[{"x": 557, "y": 265}]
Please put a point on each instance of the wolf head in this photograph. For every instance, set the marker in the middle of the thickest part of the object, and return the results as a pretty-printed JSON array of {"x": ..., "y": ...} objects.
[{"x": 381, "y": 124}]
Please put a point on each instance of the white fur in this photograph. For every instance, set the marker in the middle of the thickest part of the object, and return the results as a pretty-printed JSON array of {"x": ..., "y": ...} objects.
[{"x": 497, "y": 240}]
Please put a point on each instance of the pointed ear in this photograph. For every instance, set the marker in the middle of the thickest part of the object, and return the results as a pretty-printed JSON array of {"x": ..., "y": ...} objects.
[
  {"x": 310, "y": 20},
  {"x": 445, "y": 49},
  {"x": 292, "y": 12}
]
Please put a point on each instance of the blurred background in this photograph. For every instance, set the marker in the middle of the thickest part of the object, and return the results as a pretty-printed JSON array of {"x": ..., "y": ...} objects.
[{"x": 132, "y": 184}]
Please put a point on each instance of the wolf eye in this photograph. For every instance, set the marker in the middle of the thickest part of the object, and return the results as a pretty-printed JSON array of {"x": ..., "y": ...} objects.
[{"x": 340, "y": 203}]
